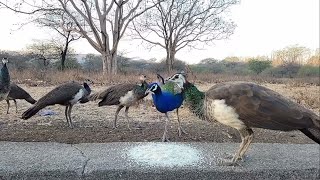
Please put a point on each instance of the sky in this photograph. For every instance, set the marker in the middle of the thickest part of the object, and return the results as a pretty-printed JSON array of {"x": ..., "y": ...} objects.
[{"x": 262, "y": 27}]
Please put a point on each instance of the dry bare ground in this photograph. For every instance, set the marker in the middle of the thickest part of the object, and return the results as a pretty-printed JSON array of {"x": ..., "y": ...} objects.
[{"x": 94, "y": 124}]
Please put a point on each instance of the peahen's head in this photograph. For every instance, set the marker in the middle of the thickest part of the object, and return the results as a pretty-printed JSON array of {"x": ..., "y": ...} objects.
[
  {"x": 153, "y": 88},
  {"x": 4, "y": 61},
  {"x": 179, "y": 79},
  {"x": 142, "y": 78}
]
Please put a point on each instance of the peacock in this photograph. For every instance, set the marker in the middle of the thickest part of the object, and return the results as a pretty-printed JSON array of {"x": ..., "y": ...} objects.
[
  {"x": 4, "y": 80},
  {"x": 167, "y": 97},
  {"x": 67, "y": 94},
  {"x": 16, "y": 92},
  {"x": 122, "y": 95},
  {"x": 175, "y": 88},
  {"x": 243, "y": 106}
]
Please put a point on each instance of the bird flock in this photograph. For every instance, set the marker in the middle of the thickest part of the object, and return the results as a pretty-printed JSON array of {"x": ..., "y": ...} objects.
[{"x": 240, "y": 105}]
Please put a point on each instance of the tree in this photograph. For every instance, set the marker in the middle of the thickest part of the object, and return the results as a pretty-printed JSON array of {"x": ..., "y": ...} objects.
[
  {"x": 294, "y": 54},
  {"x": 176, "y": 24},
  {"x": 315, "y": 59},
  {"x": 258, "y": 66},
  {"x": 232, "y": 59},
  {"x": 62, "y": 24},
  {"x": 43, "y": 52},
  {"x": 101, "y": 23},
  {"x": 93, "y": 63}
]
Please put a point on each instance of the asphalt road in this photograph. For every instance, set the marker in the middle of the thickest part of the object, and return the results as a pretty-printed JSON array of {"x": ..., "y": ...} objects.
[{"x": 28, "y": 160}]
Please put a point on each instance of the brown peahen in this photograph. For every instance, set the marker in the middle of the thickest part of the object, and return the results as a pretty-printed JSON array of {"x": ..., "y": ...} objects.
[
  {"x": 243, "y": 105},
  {"x": 122, "y": 95}
]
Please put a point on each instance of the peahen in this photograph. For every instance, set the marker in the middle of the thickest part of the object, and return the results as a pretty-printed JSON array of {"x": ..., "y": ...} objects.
[
  {"x": 243, "y": 106},
  {"x": 4, "y": 80},
  {"x": 67, "y": 94},
  {"x": 16, "y": 92},
  {"x": 166, "y": 98},
  {"x": 122, "y": 95}
]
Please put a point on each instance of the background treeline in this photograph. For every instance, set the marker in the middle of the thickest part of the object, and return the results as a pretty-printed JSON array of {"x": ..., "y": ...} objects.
[{"x": 290, "y": 62}]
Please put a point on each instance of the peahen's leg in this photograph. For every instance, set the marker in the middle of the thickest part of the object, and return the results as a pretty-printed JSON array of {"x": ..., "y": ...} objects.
[
  {"x": 69, "y": 114},
  {"x": 127, "y": 117},
  {"x": 116, "y": 116},
  {"x": 15, "y": 103},
  {"x": 245, "y": 134},
  {"x": 8, "y": 107},
  {"x": 250, "y": 138},
  {"x": 66, "y": 114}
]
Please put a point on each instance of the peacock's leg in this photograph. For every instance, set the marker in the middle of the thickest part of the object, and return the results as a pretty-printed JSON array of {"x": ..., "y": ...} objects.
[
  {"x": 165, "y": 137},
  {"x": 116, "y": 116},
  {"x": 180, "y": 129}
]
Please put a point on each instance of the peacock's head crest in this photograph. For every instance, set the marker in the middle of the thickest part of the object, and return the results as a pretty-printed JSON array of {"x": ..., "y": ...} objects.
[
  {"x": 153, "y": 88},
  {"x": 179, "y": 79}
]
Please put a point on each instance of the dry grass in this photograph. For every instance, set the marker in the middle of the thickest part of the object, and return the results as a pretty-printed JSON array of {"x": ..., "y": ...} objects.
[
  {"x": 304, "y": 91},
  {"x": 50, "y": 77}
]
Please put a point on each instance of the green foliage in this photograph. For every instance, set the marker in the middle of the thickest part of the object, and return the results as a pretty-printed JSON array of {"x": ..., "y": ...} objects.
[
  {"x": 283, "y": 71},
  {"x": 258, "y": 66},
  {"x": 71, "y": 63},
  {"x": 309, "y": 70}
]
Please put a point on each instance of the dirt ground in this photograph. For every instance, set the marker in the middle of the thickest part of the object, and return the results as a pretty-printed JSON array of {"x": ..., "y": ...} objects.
[{"x": 94, "y": 124}]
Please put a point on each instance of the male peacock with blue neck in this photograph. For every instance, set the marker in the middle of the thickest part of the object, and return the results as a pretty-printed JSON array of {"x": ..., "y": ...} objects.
[{"x": 165, "y": 101}]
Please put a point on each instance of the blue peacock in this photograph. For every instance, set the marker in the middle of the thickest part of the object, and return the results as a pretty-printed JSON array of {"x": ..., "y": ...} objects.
[{"x": 167, "y": 97}]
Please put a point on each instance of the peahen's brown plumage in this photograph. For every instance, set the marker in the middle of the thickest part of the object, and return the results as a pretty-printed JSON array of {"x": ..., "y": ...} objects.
[
  {"x": 244, "y": 105},
  {"x": 67, "y": 94},
  {"x": 16, "y": 92},
  {"x": 122, "y": 95}
]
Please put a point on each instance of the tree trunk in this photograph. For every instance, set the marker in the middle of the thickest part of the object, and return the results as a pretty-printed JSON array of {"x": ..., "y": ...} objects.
[
  {"x": 114, "y": 63},
  {"x": 64, "y": 52},
  {"x": 105, "y": 63},
  {"x": 170, "y": 59}
]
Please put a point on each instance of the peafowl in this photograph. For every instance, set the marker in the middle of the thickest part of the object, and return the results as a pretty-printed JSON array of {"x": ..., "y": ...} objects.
[
  {"x": 67, "y": 94},
  {"x": 122, "y": 95},
  {"x": 16, "y": 92},
  {"x": 166, "y": 98},
  {"x": 171, "y": 87},
  {"x": 4, "y": 80},
  {"x": 243, "y": 106}
]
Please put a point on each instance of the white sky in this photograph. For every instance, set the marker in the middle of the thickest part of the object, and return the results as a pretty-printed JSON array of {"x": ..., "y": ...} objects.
[{"x": 262, "y": 26}]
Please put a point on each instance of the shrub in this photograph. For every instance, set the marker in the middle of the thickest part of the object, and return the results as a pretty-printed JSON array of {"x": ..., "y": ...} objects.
[
  {"x": 309, "y": 70},
  {"x": 258, "y": 66}
]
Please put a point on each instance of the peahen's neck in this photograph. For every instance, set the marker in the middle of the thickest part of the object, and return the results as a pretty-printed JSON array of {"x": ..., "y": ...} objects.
[
  {"x": 194, "y": 99},
  {"x": 5, "y": 77}
]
